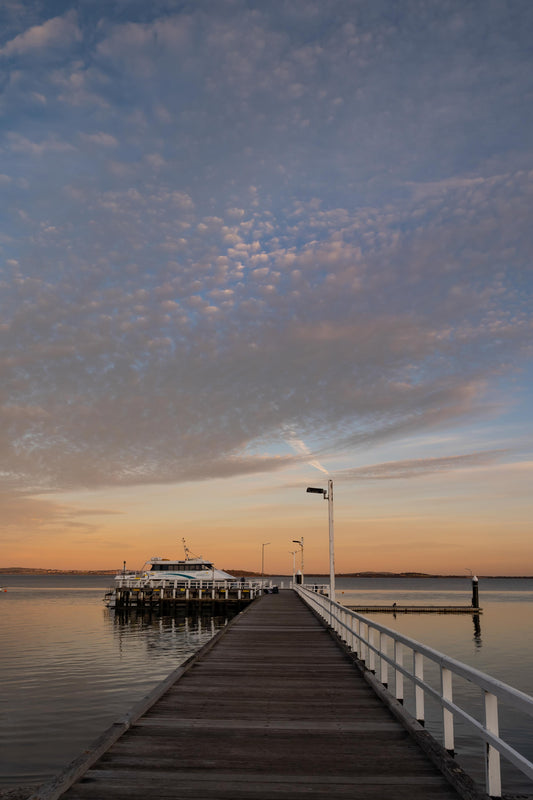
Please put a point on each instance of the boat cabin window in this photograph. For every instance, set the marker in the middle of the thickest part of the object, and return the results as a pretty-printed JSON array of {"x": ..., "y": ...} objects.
[{"x": 182, "y": 565}]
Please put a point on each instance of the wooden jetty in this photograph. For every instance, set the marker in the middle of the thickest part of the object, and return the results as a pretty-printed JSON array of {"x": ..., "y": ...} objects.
[
  {"x": 167, "y": 595},
  {"x": 273, "y": 708}
]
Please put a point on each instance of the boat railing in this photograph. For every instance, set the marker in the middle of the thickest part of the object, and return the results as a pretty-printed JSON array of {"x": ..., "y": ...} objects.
[
  {"x": 380, "y": 648},
  {"x": 131, "y": 575},
  {"x": 143, "y": 579}
]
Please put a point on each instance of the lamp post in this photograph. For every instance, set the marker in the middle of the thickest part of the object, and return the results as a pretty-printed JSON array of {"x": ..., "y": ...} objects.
[
  {"x": 300, "y": 543},
  {"x": 293, "y": 554},
  {"x": 263, "y": 564},
  {"x": 327, "y": 494}
]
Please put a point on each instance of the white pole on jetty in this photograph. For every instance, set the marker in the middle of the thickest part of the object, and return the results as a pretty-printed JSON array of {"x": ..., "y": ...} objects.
[
  {"x": 475, "y": 591},
  {"x": 331, "y": 543},
  {"x": 327, "y": 494},
  {"x": 300, "y": 543},
  {"x": 263, "y": 564},
  {"x": 475, "y": 588},
  {"x": 293, "y": 554}
]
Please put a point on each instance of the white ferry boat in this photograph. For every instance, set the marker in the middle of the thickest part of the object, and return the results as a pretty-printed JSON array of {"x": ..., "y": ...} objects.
[
  {"x": 188, "y": 570},
  {"x": 192, "y": 568}
]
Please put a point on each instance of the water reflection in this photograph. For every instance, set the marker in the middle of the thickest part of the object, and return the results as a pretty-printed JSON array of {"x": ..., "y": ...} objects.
[
  {"x": 477, "y": 631},
  {"x": 161, "y": 634},
  {"x": 70, "y": 668}
]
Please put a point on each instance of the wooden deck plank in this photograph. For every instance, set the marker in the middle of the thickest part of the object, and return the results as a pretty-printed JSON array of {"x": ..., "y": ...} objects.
[{"x": 274, "y": 710}]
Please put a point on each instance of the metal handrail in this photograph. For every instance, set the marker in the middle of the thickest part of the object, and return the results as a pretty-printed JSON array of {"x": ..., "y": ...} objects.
[{"x": 360, "y": 634}]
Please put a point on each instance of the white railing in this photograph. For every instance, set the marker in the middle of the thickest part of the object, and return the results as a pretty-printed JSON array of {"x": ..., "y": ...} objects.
[
  {"x": 321, "y": 588},
  {"x": 371, "y": 642}
]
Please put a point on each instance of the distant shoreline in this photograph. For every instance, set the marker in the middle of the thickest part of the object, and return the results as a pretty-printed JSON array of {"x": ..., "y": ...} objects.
[
  {"x": 35, "y": 571},
  {"x": 249, "y": 573}
]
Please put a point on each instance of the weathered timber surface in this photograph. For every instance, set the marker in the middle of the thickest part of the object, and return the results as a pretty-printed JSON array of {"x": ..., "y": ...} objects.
[{"x": 274, "y": 711}]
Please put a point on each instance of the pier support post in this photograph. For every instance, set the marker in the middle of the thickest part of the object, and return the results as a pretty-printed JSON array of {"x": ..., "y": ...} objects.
[{"x": 475, "y": 592}]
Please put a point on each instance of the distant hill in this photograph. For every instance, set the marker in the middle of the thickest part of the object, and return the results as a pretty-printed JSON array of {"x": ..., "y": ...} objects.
[
  {"x": 36, "y": 571},
  {"x": 247, "y": 573}
]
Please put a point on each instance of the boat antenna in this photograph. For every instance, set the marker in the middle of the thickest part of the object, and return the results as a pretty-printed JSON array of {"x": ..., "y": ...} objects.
[{"x": 188, "y": 553}]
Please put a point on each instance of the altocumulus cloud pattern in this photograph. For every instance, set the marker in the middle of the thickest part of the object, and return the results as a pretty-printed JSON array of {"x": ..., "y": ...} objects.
[{"x": 223, "y": 221}]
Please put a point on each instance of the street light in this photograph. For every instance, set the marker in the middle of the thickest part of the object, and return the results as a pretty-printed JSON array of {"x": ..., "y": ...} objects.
[
  {"x": 300, "y": 543},
  {"x": 263, "y": 563},
  {"x": 327, "y": 494},
  {"x": 293, "y": 554}
]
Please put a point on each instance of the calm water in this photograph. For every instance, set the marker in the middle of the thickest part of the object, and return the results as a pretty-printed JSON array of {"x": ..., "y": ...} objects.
[{"x": 69, "y": 667}]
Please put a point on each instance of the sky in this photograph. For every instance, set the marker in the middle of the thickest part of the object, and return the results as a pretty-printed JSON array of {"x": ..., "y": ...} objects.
[{"x": 249, "y": 247}]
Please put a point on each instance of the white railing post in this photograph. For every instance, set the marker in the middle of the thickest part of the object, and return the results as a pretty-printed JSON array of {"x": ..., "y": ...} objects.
[
  {"x": 398, "y": 659},
  {"x": 371, "y": 652},
  {"x": 447, "y": 716},
  {"x": 355, "y": 631},
  {"x": 364, "y": 642},
  {"x": 384, "y": 667},
  {"x": 492, "y": 757},
  {"x": 419, "y": 691}
]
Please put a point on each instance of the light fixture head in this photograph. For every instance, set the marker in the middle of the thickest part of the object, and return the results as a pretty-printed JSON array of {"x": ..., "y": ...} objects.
[{"x": 315, "y": 490}]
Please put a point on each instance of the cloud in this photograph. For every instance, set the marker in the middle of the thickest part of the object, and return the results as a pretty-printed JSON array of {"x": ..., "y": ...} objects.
[
  {"x": 100, "y": 139},
  {"x": 22, "y": 512},
  {"x": 21, "y": 144},
  {"x": 420, "y": 467},
  {"x": 55, "y": 33},
  {"x": 270, "y": 220},
  {"x": 171, "y": 369},
  {"x": 303, "y": 449}
]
